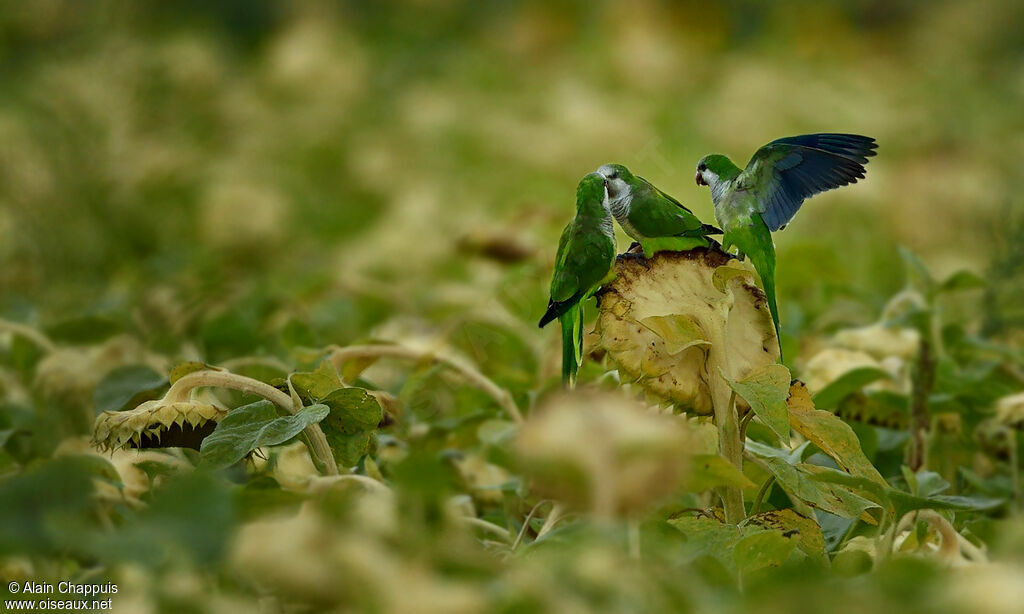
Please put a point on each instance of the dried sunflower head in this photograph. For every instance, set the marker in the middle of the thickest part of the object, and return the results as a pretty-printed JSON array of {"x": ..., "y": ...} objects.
[
  {"x": 659, "y": 319},
  {"x": 157, "y": 424}
]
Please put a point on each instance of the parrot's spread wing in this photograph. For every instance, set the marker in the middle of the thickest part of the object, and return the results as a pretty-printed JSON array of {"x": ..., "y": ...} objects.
[{"x": 787, "y": 171}]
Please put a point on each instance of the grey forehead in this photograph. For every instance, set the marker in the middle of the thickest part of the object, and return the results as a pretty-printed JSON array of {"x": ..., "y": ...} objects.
[{"x": 606, "y": 170}]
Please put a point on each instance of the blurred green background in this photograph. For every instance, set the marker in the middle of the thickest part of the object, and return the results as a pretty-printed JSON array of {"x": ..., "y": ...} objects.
[
  {"x": 224, "y": 180},
  {"x": 338, "y": 163}
]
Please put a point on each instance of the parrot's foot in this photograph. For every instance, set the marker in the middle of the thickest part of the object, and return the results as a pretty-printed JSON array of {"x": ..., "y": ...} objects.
[
  {"x": 635, "y": 256},
  {"x": 714, "y": 244}
]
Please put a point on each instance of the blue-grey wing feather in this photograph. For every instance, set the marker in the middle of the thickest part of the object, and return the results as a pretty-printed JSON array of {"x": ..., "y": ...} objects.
[{"x": 814, "y": 163}]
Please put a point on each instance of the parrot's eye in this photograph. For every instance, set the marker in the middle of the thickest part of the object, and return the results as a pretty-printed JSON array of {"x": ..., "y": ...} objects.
[
  {"x": 701, "y": 168},
  {"x": 614, "y": 175}
]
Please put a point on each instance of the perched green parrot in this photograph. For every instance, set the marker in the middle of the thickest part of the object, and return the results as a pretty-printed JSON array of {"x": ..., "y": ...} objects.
[
  {"x": 654, "y": 219},
  {"x": 586, "y": 253},
  {"x": 752, "y": 203}
]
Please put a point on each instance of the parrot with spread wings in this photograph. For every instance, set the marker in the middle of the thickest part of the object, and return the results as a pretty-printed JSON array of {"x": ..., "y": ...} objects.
[{"x": 753, "y": 202}]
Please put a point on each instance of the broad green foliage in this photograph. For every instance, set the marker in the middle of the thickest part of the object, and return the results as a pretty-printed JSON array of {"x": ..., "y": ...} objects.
[
  {"x": 766, "y": 390},
  {"x": 253, "y": 426},
  {"x": 126, "y": 387},
  {"x": 354, "y": 413}
]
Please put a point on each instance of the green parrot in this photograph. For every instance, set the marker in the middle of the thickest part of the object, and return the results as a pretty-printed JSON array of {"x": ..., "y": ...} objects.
[
  {"x": 586, "y": 253},
  {"x": 752, "y": 203},
  {"x": 654, "y": 219}
]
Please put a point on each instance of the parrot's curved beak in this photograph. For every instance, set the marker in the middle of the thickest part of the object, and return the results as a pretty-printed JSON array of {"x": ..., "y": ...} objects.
[{"x": 700, "y": 180}]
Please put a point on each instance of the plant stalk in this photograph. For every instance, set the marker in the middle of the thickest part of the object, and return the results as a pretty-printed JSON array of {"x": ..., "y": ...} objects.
[
  {"x": 723, "y": 399},
  {"x": 181, "y": 389},
  {"x": 923, "y": 380},
  {"x": 24, "y": 330}
]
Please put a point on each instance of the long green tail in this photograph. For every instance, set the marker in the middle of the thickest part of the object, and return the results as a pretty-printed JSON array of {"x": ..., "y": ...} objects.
[
  {"x": 572, "y": 343},
  {"x": 764, "y": 261}
]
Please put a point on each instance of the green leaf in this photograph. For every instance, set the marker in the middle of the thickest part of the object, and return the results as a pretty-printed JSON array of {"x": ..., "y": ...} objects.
[
  {"x": 707, "y": 537},
  {"x": 898, "y": 503},
  {"x": 827, "y": 431},
  {"x": 765, "y": 389},
  {"x": 847, "y": 384},
  {"x": 963, "y": 280},
  {"x": 43, "y": 508},
  {"x": 354, "y": 416},
  {"x": 760, "y": 550},
  {"x": 918, "y": 276},
  {"x": 83, "y": 330},
  {"x": 353, "y": 410},
  {"x": 126, "y": 387},
  {"x": 876, "y": 407},
  {"x": 869, "y": 489},
  {"x": 251, "y": 426},
  {"x": 709, "y": 471},
  {"x": 798, "y": 481},
  {"x": 809, "y": 536},
  {"x": 930, "y": 483},
  {"x": 190, "y": 518},
  {"x": 316, "y": 385},
  {"x": 905, "y": 502},
  {"x": 348, "y": 449},
  {"x": 264, "y": 495}
]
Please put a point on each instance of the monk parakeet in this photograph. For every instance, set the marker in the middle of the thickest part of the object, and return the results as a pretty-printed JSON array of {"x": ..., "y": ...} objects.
[
  {"x": 762, "y": 198},
  {"x": 586, "y": 253},
  {"x": 654, "y": 219}
]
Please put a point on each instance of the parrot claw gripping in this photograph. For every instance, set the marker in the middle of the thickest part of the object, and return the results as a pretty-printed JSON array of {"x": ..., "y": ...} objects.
[{"x": 639, "y": 257}]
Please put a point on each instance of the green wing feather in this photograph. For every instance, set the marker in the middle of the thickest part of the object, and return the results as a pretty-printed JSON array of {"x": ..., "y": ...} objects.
[
  {"x": 585, "y": 257},
  {"x": 656, "y": 214}
]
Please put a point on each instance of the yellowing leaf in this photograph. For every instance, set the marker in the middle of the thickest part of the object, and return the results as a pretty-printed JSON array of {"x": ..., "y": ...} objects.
[
  {"x": 728, "y": 271},
  {"x": 827, "y": 431},
  {"x": 809, "y": 536},
  {"x": 766, "y": 389},
  {"x": 678, "y": 331}
]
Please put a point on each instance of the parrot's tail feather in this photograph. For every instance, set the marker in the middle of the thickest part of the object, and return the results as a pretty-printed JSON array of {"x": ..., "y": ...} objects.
[
  {"x": 557, "y": 308},
  {"x": 765, "y": 265},
  {"x": 572, "y": 344}
]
